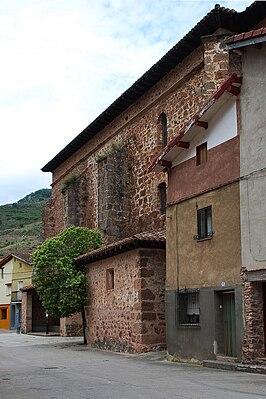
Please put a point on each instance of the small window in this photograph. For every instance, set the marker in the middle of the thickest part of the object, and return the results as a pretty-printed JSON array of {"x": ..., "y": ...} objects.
[
  {"x": 189, "y": 311},
  {"x": 204, "y": 216},
  {"x": 110, "y": 279},
  {"x": 163, "y": 120},
  {"x": 201, "y": 154},
  {"x": 3, "y": 314},
  {"x": 162, "y": 193},
  {"x": 8, "y": 289}
]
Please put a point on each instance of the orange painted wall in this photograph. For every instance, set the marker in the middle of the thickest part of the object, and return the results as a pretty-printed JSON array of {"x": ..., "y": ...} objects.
[{"x": 5, "y": 323}]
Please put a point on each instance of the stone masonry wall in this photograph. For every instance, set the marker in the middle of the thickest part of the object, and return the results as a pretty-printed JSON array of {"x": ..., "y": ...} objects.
[
  {"x": 71, "y": 326},
  {"x": 129, "y": 317},
  {"x": 179, "y": 95},
  {"x": 26, "y": 312},
  {"x": 113, "y": 194},
  {"x": 152, "y": 326},
  {"x": 253, "y": 343}
]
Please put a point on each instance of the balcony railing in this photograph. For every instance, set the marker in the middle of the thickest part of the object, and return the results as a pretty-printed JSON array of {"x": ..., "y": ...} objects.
[{"x": 16, "y": 296}]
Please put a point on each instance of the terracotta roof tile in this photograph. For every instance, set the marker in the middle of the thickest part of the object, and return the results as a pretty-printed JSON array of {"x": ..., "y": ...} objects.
[
  {"x": 146, "y": 239},
  {"x": 28, "y": 287},
  {"x": 252, "y": 34}
]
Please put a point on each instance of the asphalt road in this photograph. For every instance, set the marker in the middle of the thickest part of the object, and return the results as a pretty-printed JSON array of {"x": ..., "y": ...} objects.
[{"x": 55, "y": 367}]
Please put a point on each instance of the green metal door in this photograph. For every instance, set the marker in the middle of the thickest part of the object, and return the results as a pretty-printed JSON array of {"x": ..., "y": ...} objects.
[{"x": 229, "y": 323}]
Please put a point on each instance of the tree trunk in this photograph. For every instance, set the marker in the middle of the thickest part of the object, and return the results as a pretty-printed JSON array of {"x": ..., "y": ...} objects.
[{"x": 84, "y": 326}]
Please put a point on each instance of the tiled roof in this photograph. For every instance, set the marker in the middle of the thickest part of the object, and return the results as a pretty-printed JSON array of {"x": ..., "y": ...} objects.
[
  {"x": 28, "y": 288},
  {"x": 218, "y": 17},
  {"x": 23, "y": 257},
  {"x": 152, "y": 239},
  {"x": 252, "y": 34}
]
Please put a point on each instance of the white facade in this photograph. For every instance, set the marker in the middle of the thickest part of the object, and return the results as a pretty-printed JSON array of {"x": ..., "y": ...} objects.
[{"x": 5, "y": 283}]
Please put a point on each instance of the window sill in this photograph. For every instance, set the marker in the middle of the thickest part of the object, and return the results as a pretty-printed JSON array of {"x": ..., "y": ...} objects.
[
  {"x": 189, "y": 325},
  {"x": 204, "y": 239}
]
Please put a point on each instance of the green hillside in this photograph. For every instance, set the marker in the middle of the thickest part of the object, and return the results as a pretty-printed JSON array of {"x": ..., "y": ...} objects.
[{"x": 21, "y": 223}]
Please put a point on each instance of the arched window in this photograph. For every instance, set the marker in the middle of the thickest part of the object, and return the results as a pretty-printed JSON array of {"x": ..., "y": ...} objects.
[{"x": 163, "y": 120}]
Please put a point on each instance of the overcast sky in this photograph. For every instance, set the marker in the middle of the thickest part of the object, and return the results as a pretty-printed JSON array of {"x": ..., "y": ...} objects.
[{"x": 63, "y": 62}]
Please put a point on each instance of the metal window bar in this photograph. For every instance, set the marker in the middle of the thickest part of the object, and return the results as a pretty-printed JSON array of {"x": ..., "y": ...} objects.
[{"x": 189, "y": 310}]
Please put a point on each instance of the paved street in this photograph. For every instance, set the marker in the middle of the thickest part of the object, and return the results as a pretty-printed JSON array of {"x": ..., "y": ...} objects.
[{"x": 34, "y": 367}]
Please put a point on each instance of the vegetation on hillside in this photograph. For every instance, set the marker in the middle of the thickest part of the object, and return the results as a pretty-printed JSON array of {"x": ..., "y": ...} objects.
[{"x": 21, "y": 223}]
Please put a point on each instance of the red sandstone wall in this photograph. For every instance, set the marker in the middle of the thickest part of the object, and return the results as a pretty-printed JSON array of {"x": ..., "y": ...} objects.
[
  {"x": 131, "y": 316},
  {"x": 179, "y": 94},
  {"x": 253, "y": 343},
  {"x": 71, "y": 326}
]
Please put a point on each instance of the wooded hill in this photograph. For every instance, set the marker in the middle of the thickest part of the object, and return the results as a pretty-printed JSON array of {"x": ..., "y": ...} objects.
[{"x": 21, "y": 223}]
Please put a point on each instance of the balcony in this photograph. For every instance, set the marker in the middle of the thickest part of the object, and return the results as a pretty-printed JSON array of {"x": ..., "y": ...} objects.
[{"x": 16, "y": 296}]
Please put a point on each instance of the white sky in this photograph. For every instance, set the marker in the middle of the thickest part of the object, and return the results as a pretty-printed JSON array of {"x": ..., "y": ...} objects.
[{"x": 63, "y": 62}]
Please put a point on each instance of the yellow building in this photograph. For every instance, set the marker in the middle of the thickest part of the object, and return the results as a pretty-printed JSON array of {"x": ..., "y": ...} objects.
[{"x": 15, "y": 273}]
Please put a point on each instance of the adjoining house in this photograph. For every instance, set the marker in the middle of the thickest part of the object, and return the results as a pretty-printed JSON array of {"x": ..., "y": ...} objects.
[
  {"x": 203, "y": 260},
  {"x": 252, "y": 48},
  {"x": 126, "y": 294},
  {"x": 15, "y": 273},
  {"x": 101, "y": 179},
  {"x": 34, "y": 316}
]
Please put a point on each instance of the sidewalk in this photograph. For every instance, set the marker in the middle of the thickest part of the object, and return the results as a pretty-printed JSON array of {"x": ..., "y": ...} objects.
[{"x": 223, "y": 365}]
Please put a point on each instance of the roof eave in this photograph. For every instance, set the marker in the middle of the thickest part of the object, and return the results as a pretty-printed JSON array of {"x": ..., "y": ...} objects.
[
  {"x": 116, "y": 250},
  {"x": 245, "y": 43},
  {"x": 159, "y": 164}
]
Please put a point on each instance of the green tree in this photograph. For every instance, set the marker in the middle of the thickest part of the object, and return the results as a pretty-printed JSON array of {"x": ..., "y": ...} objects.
[{"x": 61, "y": 286}]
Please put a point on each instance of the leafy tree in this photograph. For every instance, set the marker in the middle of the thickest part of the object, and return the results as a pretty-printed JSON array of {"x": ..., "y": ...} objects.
[{"x": 62, "y": 287}]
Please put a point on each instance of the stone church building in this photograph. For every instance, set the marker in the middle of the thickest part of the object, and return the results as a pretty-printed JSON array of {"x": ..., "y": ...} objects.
[{"x": 101, "y": 180}]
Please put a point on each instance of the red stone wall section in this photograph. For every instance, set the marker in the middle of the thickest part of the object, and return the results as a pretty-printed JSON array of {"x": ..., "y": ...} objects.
[
  {"x": 71, "y": 326},
  {"x": 152, "y": 272},
  {"x": 26, "y": 312},
  {"x": 130, "y": 316},
  {"x": 253, "y": 343},
  {"x": 180, "y": 94}
]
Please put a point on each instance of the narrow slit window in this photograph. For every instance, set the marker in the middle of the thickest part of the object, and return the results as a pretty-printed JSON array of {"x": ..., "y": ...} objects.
[
  {"x": 163, "y": 119},
  {"x": 163, "y": 200},
  {"x": 110, "y": 279},
  {"x": 201, "y": 154}
]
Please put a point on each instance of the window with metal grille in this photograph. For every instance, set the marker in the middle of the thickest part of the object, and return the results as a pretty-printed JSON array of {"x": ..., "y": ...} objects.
[
  {"x": 189, "y": 310},
  {"x": 204, "y": 220}
]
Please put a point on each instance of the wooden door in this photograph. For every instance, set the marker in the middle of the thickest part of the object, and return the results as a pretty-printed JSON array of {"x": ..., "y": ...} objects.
[{"x": 229, "y": 317}]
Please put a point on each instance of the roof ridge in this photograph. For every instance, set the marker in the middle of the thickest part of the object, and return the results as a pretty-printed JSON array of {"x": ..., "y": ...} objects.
[{"x": 227, "y": 18}]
